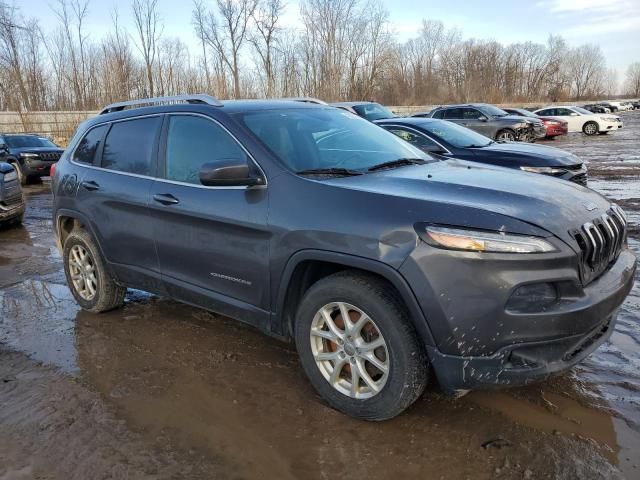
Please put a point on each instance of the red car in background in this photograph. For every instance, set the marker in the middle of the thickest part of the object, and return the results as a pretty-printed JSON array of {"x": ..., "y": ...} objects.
[{"x": 554, "y": 126}]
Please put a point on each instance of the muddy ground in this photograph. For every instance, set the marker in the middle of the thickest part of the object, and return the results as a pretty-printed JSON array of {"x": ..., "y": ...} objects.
[{"x": 161, "y": 390}]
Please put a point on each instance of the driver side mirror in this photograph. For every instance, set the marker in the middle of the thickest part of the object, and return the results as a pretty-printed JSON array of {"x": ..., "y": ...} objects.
[
  {"x": 573, "y": 114},
  {"x": 3, "y": 148},
  {"x": 229, "y": 172},
  {"x": 483, "y": 118}
]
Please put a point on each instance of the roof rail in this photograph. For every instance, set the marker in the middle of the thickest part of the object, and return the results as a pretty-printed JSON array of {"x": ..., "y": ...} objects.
[
  {"x": 197, "y": 98},
  {"x": 316, "y": 101}
]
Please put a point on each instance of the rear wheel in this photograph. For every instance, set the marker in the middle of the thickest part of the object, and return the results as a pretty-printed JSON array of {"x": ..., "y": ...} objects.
[
  {"x": 358, "y": 347},
  {"x": 505, "y": 136},
  {"x": 91, "y": 285},
  {"x": 590, "y": 128}
]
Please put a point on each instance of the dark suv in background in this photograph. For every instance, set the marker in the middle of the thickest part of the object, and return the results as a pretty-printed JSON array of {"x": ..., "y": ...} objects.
[
  {"x": 490, "y": 121},
  {"x": 315, "y": 225},
  {"x": 32, "y": 155}
]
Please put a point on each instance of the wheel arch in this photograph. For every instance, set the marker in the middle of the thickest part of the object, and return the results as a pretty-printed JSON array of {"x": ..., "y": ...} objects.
[
  {"x": 66, "y": 220},
  {"x": 306, "y": 267}
]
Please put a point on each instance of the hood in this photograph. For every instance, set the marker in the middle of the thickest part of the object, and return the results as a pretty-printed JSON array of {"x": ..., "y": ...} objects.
[
  {"x": 517, "y": 118},
  {"x": 554, "y": 205},
  {"x": 5, "y": 168},
  {"x": 18, "y": 150},
  {"x": 529, "y": 154}
]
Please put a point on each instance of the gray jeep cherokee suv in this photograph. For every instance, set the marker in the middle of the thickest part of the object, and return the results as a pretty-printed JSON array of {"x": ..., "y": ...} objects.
[{"x": 315, "y": 225}]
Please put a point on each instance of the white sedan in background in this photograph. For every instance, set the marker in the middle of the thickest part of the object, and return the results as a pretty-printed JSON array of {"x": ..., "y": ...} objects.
[{"x": 581, "y": 120}]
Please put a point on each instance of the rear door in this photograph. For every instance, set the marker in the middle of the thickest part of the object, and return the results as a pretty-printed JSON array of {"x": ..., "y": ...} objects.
[
  {"x": 212, "y": 242},
  {"x": 114, "y": 193},
  {"x": 472, "y": 119}
]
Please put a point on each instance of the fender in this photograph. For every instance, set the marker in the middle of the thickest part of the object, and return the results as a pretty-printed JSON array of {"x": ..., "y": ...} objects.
[
  {"x": 88, "y": 225},
  {"x": 385, "y": 271}
]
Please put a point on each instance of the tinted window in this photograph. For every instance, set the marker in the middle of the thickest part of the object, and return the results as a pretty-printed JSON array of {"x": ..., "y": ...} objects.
[
  {"x": 455, "y": 135},
  {"x": 471, "y": 114},
  {"x": 373, "y": 111},
  {"x": 413, "y": 138},
  {"x": 563, "y": 112},
  {"x": 129, "y": 146},
  {"x": 86, "y": 150},
  {"x": 194, "y": 141},
  {"x": 453, "y": 113},
  {"x": 438, "y": 114},
  {"x": 549, "y": 111}
]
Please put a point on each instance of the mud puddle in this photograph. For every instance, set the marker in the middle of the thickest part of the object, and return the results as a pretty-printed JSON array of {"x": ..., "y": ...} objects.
[{"x": 161, "y": 390}]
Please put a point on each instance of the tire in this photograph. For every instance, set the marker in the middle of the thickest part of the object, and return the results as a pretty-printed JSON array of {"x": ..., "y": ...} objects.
[
  {"x": 505, "y": 135},
  {"x": 590, "y": 128},
  {"x": 404, "y": 355},
  {"x": 107, "y": 294}
]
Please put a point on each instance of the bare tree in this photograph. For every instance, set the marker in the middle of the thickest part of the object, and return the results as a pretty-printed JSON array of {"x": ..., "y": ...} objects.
[
  {"x": 228, "y": 34},
  {"x": 585, "y": 65},
  {"x": 633, "y": 79},
  {"x": 149, "y": 29},
  {"x": 266, "y": 17}
]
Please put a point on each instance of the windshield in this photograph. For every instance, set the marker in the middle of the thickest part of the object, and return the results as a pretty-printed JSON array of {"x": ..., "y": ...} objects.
[
  {"x": 493, "y": 111},
  {"x": 373, "y": 111},
  {"x": 582, "y": 110},
  {"x": 455, "y": 135},
  {"x": 28, "y": 141},
  {"x": 323, "y": 138}
]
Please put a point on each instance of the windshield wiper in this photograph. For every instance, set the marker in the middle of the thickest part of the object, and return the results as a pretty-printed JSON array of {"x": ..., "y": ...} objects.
[
  {"x": 479, "y": 146},
  {"x": 397, "y": 163},
  {"x": 329, "y": 171}
]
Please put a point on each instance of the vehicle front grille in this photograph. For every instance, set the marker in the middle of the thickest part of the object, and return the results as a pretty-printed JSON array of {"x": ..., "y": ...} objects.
[
  {"x": 600, "y": 242},
  {"x": 50, "y": 156},
  {"x": 580, "y": 179}
]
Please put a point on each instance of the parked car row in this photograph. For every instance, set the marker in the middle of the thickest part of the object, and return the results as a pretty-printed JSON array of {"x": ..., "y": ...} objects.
[{"x": 380, "y": 261}]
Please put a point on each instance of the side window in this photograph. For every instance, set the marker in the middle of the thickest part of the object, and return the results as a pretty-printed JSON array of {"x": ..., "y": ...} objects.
[
  {"x": 129, "y": 146},
  {"x": 414, "y": 139},
  {"x": 563, "y": 112},
  {"x": 438, "y": 114},
  {"x": 193, "y": 141},
  {"x": 551, "y": 112},
  {"x": 86, "y": 150},
  {"x": 471, "y": 114},
  {"x": 453, "y": 114}
]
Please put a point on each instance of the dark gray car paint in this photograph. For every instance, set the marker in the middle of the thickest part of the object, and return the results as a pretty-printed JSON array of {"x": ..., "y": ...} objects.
[{"x": 254, "y": 238}]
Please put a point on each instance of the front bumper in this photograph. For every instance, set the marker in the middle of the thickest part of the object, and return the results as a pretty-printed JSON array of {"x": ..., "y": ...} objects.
[
  {"x": 9, "y": 212},
  {"x": 606, "y": 126},
  {"x": 37, "y": 167},
  {"x": 480, "y": 343}
]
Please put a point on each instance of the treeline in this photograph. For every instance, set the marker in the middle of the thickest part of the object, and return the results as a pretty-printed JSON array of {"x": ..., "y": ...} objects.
[{"x": 343, "y": 49}]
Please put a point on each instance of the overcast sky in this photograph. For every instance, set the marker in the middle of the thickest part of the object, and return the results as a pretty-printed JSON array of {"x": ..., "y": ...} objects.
[{"x": 612, "y": 24}]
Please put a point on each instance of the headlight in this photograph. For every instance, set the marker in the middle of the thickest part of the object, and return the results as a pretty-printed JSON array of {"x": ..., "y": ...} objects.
[
  {"x": 545, "y": 170},
  {"x": 10, "y": 176},
  {"x": 28, "y": 155},
  {"x": 480, "y": 241}
]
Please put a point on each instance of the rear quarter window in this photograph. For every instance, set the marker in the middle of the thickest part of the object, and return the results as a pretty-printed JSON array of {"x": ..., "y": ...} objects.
[
  {"x": 129, "y": 146},
  {"x": 86, "y": 150}
]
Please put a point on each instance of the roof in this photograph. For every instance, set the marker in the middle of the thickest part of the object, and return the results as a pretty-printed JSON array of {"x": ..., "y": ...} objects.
[{"x": 350, "y": 104}]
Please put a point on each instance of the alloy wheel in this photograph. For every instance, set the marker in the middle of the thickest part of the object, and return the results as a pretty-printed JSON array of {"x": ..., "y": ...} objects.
[
  {"x": 590, "y": 128},
  {"x": 83, "y": 272},
  {"x": 506, "y": 137},
  {"x": 349, "y": 350}
]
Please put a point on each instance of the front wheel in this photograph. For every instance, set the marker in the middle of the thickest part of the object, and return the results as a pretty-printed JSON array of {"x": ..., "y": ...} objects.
[
  {"x": 91, "y": 285},
  {"x": 590, "y": 128},
  {"x": 358, "y": 346},
  {"x": 505, "y": 136}
]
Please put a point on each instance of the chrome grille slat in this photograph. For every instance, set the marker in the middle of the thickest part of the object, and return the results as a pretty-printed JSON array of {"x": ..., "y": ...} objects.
[{"x": 600, "y": 242}]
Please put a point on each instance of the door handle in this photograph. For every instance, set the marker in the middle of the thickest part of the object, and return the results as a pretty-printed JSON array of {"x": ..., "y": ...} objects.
[
  {"x": 90, "y": 185},
  {"x": 165, "y": 199}
]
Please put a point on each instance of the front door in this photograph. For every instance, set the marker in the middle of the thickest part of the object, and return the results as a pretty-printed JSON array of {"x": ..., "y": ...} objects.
[{"x": 212, "y": 242}]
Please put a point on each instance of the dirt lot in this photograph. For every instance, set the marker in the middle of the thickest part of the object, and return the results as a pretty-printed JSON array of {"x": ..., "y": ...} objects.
[{"x": 161, "y": 390}]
